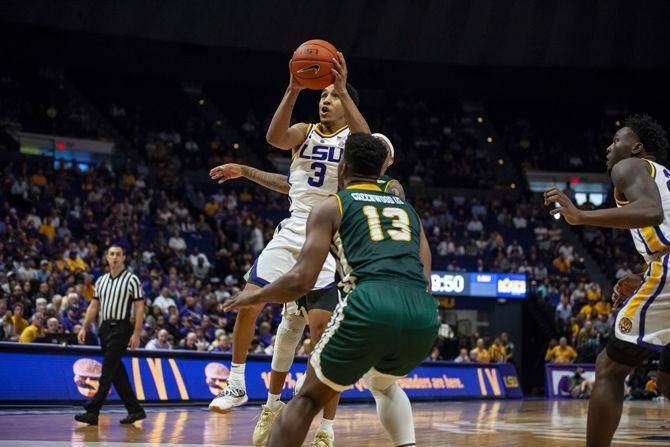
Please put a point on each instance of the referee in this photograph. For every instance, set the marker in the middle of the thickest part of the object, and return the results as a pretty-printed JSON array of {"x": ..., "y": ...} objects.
[{"x": 115, "y": 293}]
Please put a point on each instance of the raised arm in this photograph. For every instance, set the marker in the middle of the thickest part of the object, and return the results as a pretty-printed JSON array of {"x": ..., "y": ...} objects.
[
  {"x": 630, "y": 177},
  {"x": 352, "y": 115},
  {"x": 323, "y": 222},
  {"x": 275, "y": 182},
  {"x": 280, "y": 133}
]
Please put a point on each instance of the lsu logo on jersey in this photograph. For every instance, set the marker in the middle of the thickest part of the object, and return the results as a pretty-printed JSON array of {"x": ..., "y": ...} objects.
[{"x": 321, "y": 153}]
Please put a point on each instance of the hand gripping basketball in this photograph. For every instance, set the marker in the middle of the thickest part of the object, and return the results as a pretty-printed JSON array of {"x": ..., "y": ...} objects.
[{"x": 625, "y": 288}]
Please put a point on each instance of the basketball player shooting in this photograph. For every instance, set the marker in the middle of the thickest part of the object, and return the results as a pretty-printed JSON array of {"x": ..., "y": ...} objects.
[
  {"x": 316, "y": 151},
  {"x": 642, "y": 328}
]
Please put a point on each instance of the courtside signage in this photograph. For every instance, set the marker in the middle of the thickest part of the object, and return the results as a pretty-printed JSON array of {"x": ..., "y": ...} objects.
[{"x": 54, "y": 373}]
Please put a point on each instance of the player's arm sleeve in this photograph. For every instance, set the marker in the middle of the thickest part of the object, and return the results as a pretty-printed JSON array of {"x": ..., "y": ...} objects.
[
  {"x": 323, "y": 221},
  {"x": 634, "y": 178}
]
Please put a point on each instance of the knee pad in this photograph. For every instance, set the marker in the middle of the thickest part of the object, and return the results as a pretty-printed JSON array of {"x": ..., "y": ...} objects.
[
  {"x": 378, "y": 383},
  {"x": 289, "y": 333}
]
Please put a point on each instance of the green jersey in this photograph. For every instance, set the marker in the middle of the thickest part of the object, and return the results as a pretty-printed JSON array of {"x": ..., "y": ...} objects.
[
  {"x": 383, "y": 182},
  {"x": 378, "y": 238}
]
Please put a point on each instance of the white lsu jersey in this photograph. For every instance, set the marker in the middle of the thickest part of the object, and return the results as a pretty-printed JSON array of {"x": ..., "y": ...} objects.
[
  {"x": 313, "y": 173},
  {"x": 652, "y": 240},
  {"x": 644, "y": 318}
]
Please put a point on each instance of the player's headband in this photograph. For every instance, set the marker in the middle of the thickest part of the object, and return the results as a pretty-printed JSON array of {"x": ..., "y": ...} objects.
[{"x": 386, "y": 141}]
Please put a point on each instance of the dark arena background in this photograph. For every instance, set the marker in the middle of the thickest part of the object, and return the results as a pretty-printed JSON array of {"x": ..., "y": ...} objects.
[{"x": 113, "y": 113}]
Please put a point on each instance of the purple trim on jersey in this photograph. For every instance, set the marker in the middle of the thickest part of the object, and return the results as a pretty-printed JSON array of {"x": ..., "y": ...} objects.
[
  {"x": 661, "y": 236},
  {"x": 646, "y": 306},
  {"x": 646, "y": 247},
  {"x": 253, "y": 276}
]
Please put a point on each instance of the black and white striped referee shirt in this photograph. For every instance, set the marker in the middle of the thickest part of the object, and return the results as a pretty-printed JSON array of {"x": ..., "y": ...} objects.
[{"x": 117, "y": 295}]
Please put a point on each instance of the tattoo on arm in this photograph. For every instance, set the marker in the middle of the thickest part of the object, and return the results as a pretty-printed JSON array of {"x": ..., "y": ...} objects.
[
  {"x": 275, "y": 182},
  {"x": 394, "y": 187}
]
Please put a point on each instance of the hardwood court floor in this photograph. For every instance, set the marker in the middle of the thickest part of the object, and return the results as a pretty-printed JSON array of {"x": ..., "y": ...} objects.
[{"x": 455, "y": 424}]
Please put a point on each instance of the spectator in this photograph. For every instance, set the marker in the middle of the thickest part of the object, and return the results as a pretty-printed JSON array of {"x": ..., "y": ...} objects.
[
  {"x": 561, "y": 353},
  {"x": 53, "y": 326},
  {"x": 7, "y": 329},
  {"x": 463, "y": 356},
  {"x": 18, "y": 321},
  {"x": 622, "y": 271},
  {"x": 190, "y": 342},
  {"x": 164, "y": 301},
  {"x": 43, "y": 273},
  {"x": 176, "y": 242},
  {"x": 579, "y": 386},
  {"x": 72, "y": 318},
  {"x": 201, "y": 269},
  {"x": 223, "y": 344},
  {"x": 651, "y": 387},
  {"x": 508, "y": 345},
  {"x": 563, "y": 310},
  {"x": 56, "y": 305},
  {"x": 160, "y": 341},
  {"x": 497, "y": 352},
  {"x": 264, "y": 335},
  {"x": 41, "y": 305},
  {"x": 481, "y": 354},
  {"x": 434, "y": 355},
  {"x": 35, "y": 330}
]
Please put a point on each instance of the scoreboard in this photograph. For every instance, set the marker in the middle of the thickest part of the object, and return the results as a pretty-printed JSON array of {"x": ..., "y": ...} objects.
[{"x": 479, "y": 284}]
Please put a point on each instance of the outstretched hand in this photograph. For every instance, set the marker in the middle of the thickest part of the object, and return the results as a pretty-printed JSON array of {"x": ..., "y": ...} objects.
[
  {"x": 243, "y": 299},
  {"x": 226, "y": 172},
  {"x": 567, "y": 209},
  {"x": 340, "y": 72}
]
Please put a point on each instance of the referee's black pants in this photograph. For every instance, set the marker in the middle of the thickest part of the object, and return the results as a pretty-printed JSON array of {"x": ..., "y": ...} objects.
[{"x": 114, "y": 338}]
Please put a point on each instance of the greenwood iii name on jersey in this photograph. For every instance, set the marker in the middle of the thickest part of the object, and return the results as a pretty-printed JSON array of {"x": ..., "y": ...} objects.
[{"x": 378, "y": 238}]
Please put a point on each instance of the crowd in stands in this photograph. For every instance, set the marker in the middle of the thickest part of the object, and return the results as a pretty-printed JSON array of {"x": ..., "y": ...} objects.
[{"x": 191, "y": 242}]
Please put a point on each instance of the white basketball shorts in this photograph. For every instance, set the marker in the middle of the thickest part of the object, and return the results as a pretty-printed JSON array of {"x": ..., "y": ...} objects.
[
  {"x": 281, "y": 254},
  {"x": 645, "y": 316}
]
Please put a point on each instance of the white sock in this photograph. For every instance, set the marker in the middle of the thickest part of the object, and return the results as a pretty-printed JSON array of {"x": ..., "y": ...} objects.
[
  {"x": 236, "y": 378},
  {"x": 273, "y": 401},
  {"x": 395, "y": 414},
  {"x": 326, "y": 425}
]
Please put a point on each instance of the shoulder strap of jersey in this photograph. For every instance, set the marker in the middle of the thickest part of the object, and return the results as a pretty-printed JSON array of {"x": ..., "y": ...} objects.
[
  {"x": 339, "y": 202},
  {"x": 652, "y": 166}
]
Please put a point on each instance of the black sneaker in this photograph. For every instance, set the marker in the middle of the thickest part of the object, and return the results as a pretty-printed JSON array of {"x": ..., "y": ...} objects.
[
  {"x": 87, "y": 418},
  {"x": 133, "y": 417}
]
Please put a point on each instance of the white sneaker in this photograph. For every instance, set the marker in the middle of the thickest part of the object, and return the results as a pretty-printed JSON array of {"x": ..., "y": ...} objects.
[
  {"x": 264, "y": 424},
  {"x": 228, "y": 399},
  {"x": 323, "y": 439},
  {"x": 298, "y": 384}
]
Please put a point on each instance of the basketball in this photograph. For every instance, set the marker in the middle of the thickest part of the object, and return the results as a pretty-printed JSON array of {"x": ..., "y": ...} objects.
[{"x": 312, "y": 62}]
